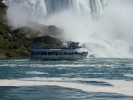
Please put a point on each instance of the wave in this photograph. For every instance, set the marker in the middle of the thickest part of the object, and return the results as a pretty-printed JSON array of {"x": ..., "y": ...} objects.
[
  {"x": 129, "y": 75},
  {"x": 118, "y": 86},
  {"x": 35, "y": 73}
]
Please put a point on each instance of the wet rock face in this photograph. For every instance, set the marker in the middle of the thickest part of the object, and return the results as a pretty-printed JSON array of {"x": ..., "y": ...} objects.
[
  {"x": 54, "y": 30},
  {"x": 15, "y": 43},
  {"x": 46, "y": 40}
]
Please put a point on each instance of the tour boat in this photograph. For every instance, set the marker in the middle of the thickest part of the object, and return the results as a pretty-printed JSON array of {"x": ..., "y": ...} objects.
[{"x": 71, "y": 51}]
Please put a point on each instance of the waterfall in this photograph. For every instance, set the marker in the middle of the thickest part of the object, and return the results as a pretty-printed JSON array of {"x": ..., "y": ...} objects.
[
  {"x": 33, "y": 7},
  {"x": 44, "y": 7},
  {"x": 109, "y": 34},
  {"x": 37, "y": 10}
]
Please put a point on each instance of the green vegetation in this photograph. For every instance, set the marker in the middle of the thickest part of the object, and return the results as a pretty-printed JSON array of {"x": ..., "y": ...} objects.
[{"x": 14, "y": 43}]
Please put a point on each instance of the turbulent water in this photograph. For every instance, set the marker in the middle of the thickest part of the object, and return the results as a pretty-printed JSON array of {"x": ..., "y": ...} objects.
[
  {"x": 95, "y": 79},
  {"x": 105, "y": 28},
  {"x": 104, "y": 25},
  {"x": 49, "y": 6}
]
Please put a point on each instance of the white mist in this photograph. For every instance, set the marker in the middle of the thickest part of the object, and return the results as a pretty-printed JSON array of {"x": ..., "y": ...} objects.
[{"x": 108, "y": 35}]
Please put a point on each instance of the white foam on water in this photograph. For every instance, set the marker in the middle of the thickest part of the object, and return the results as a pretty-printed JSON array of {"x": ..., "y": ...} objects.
[
  {"x": 130, "y": 65},
  {"x": 119, "y": 86},
  {"x": 59, "y": 65},
  {"x": 8, "y": 65},
  {"x": 129, "y": 75},
  {"x": 35, "y": 72},
  {"x": 21, "y": 60},
  {"x": 71, "y": 65},
  {"x": 62, "y": 79},
  {"x": 43, "y": 66}
]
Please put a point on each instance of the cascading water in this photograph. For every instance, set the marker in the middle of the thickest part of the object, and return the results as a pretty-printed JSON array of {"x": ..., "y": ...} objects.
[
  {"x": 44, "y": 7},
  {"x": 104, "y": 25}
]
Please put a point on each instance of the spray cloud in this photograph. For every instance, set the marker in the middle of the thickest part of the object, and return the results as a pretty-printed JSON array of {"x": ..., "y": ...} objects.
[{"x": 111, "y": 35}]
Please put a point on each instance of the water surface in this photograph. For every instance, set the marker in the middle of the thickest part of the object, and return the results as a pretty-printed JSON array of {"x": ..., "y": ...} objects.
[{"x": 95, "y": 79}]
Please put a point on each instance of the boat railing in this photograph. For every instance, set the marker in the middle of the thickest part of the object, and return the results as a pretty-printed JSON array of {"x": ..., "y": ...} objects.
[{"x": 42, "y": 47}]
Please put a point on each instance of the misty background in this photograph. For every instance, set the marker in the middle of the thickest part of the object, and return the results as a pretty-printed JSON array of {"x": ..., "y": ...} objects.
[{"x": 103, "y": 26}]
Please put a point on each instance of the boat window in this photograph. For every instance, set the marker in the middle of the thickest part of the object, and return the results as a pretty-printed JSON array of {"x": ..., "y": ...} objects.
[
  {"x": 39, "y": 53},
  {"x": 35, "y": 53},
  {"x": 72, "y": 53},
  {"x": 52, "y": 53},
  {"x": 49, "y": 53},
  {"x": 69, "y": 53},
  {"x": 76, "y": 52},
  {"x": 60, "y": 53},
  {"x": 65, "y": 53},
  {"x": 43, "y": 53},
  {"x": 56, "y": 53}
]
